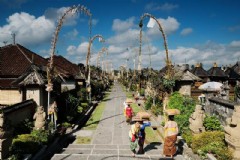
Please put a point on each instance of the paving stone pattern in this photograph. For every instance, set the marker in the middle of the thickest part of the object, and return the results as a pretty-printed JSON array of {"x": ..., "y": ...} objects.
[{"x": 110, "y": 139}]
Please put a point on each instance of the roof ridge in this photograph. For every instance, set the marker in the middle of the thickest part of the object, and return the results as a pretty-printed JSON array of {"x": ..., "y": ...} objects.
[{"x": 24, "y": 54}]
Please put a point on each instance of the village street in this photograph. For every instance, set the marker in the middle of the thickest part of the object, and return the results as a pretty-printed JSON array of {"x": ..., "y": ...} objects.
[{"x": 110, "y": 140}]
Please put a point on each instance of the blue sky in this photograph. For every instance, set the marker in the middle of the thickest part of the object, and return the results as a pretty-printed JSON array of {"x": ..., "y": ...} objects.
[{"x": 205, "y": 31}]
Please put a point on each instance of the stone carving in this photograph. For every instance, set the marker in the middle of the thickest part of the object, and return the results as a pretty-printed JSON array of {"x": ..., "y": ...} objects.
[
  {"x": 40, "y": 116},
  {"x": 232, "y": 131},
  {"x": 196, "y": 120}
]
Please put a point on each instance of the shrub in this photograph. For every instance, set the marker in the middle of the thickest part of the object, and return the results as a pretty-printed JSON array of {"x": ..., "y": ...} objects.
[
  {"x": 206, "y": 138},
  {"x": 211, "y": 123},
  {"x": 41, "y": 136},
  {"x": 187, "y": 136},
  {"x": 186, "y": 105},
  {"x": 24, "y": 144},
  {"x": 211, "y": 142},
  {"x": 148, "y": 103},
  {"x": 157, "y": 110}
]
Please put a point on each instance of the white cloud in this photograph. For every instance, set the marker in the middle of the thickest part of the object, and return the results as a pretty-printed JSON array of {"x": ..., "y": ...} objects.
[
  {"x": 186, "y": 31},
  {"x": 119, "y": 25},
  {"x": 169, "y": 26},
  {"x": 235, "y": 44},
  {"x": 71, "y": 50},
  {"x": 29, "y": 30},
  {"x": 54, "y": 14},
  {"x": 126, "y": 38},
  {"x": 163, "y": 7}
]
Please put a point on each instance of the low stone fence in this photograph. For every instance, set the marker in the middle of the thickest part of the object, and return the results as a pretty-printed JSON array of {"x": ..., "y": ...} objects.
[
  {"x": 11, "y": 117},
  {"x": 221, "y": 108}
]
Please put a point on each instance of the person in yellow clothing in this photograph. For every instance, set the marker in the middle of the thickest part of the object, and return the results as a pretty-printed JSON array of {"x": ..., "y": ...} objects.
[
  {"x": 170, "y": 137},
  {"x": 133, "y": 137}
]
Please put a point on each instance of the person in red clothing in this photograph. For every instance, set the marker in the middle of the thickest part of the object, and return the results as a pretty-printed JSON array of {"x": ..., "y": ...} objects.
[{"x": 129, "y": 114}]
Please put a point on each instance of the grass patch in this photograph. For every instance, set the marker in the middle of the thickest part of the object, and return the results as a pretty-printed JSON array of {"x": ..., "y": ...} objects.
[
  {"x": 151, "y": 136},
  {"x": 136, "y": 108},
  {"x": 83, "y": 140},
  {"x": 96, "y": 116}
]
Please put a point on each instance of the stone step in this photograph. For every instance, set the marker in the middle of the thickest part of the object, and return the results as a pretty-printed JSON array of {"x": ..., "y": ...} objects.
[
  {"x": 110, "y": 146},
  {"x": 112, "y": 157}
]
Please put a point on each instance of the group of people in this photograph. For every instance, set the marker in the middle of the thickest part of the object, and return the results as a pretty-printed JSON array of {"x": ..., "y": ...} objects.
[{"x": 137, "y": 132}]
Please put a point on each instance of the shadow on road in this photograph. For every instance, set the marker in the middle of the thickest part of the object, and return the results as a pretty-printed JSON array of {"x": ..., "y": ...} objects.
[{"x": 152, "y": 146}]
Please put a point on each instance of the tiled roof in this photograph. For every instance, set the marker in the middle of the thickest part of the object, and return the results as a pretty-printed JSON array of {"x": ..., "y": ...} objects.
[
  {"x": 7, "y": 83},
  {"x": 15, "y": 60},
  {"x": 68, "y": 67}
]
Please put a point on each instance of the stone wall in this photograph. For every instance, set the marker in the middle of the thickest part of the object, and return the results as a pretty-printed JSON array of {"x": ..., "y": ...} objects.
[
  {"x": 10, "y": 96},
  {"x": 221, "y": 108}
]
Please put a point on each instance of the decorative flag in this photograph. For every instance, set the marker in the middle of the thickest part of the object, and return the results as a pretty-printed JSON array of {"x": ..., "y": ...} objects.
[{"x": 151, "y": 23}]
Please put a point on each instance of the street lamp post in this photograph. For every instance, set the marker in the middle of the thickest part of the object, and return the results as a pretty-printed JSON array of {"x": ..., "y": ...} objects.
[
  {"x": 50, "y": 68},
  {"x": 88, "y": 74}
]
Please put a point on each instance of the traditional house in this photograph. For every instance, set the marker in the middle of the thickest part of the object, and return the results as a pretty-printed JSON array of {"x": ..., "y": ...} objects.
[
  {"x": 23, "y": 75},
  {"x": 217, "y": 74},
  {"x": 201, "y": 73},
  {"x": 72, "y": 74},
  {"x": 185, "y": 80},
  {"x": 17, "y": 62}
]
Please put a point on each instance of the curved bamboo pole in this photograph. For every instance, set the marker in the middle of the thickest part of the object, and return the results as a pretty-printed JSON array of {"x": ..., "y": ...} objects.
[
  {"x": 50, "y": 70},
  {"x": 73, "y": 10},
  {"x": 99, "y": 54},
  {"x": 168, "y": 62}
]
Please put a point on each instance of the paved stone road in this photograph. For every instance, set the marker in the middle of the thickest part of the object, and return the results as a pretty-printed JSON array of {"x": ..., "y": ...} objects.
[{"x": 110, "y": 139}]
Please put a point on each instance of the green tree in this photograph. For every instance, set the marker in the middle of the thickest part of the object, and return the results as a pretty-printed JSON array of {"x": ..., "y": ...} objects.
[{"x": 186, "y": 105}]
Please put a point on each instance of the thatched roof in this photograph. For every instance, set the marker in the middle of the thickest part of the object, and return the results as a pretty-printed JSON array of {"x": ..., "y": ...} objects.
[
  {"x": 186, "y": 76},
  {"x": 199, "y": 71}
]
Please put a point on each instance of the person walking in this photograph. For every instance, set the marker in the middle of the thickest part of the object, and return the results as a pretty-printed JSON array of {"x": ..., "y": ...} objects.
[
  {"x": 142, "y": 135},
  {"x": 129, "y": 113},
  {"x": 133, "y": 137},
  {"x": 170, "y": 137}
]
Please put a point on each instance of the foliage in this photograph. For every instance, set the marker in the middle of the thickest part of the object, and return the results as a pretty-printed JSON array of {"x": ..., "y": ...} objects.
[
  {"x": 41, "y": 136},
  {"x": 148, "y": 103},
  {"x": 142, "y": 92},
  {"x": 187, "y": 136},
  {"x": 186, "y": 105},
  {"x": 29, "y": 143},
  {"x": 211, "y": 123},
  {"x": 133, "y": 87},
  {"x": 211, "y": 142},
  {"x": 66, "y": 124},
  {"x": 24, "y": 144},
  {"x": 157, "y": 109},
  {"x": 73, "y": 104},
  {"x": 168, "y": 84},
  {"x": 23, "y": 127},
  {"x": 82, "y": 93}
]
